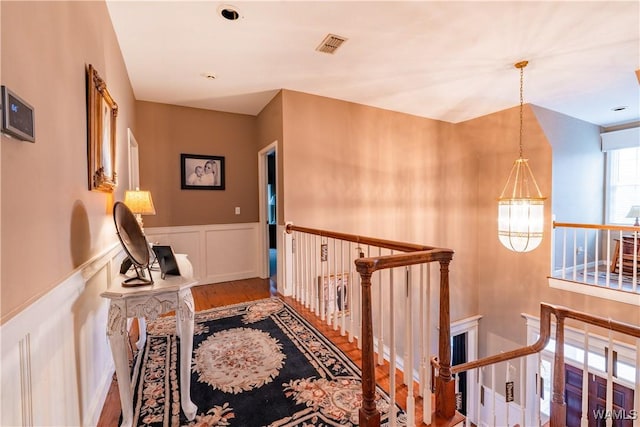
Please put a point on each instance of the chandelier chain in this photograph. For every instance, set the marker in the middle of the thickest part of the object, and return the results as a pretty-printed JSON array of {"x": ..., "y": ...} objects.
[{"x": 521, "y": 104}]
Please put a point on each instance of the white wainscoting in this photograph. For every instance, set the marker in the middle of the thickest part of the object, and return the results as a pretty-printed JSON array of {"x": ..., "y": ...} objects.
[
  {"x": 56, "y": 362},
  {"x": 218, "y": 252}
]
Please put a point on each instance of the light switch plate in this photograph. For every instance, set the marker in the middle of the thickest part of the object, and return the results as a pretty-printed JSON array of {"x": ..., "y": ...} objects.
[{"x": 237, "y": 210}]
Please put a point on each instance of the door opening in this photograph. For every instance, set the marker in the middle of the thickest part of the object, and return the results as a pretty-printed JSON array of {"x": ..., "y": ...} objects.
[
  {"x": 458, "y": 356},
  {"x": 272, "y": 222}
]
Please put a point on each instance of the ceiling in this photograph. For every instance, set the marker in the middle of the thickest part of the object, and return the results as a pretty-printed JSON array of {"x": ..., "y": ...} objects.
[{"x": 444, "y": 60}]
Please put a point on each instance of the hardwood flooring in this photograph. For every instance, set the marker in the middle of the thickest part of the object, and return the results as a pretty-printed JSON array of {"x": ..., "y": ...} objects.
[{"x": 220, "y": 294}]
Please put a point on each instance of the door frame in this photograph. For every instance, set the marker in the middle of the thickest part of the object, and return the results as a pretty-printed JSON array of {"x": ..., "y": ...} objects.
[{"x": 263, "y": 234}]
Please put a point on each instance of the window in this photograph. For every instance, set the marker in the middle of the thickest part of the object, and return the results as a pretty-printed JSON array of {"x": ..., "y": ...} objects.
[{"x": 623, "y": 184}]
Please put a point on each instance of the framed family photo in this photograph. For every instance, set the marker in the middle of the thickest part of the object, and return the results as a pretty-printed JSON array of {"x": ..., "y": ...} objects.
[{"x": 201, "y": 172}]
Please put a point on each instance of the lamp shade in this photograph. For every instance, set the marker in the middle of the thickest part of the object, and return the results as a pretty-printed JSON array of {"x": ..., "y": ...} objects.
[
  {"x": 521, "y": 210},
  {"x": 139, "y": 202},
  {"x": 634, "y": 212}
]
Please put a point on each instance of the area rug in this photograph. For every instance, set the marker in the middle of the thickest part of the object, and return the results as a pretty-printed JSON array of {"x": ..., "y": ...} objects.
[{"x": 254, "y": 364}]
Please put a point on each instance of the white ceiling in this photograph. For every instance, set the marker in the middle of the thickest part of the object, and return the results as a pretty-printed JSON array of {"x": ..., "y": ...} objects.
[{"x": 445, "y": 60}]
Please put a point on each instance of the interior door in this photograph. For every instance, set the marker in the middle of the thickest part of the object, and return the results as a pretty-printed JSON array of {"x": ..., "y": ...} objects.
[{"x": 597, "y": 400}]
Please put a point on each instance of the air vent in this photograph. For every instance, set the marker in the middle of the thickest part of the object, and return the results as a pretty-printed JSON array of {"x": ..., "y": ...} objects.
[{"x": 331, "y": 43}]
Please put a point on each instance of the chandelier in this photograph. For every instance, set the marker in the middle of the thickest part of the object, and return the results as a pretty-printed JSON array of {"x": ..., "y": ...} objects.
[{"x": 521, "y": 205}]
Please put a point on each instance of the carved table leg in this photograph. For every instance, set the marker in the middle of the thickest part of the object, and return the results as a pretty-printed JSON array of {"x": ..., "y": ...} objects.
[
  {"x": 142, "y": 333},
  {"x": 184, "y": 319},
  {"x": 117, "y": 332}
]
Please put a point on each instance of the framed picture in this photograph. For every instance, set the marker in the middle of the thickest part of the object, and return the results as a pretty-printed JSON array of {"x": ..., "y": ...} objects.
[
  {"x": 102, "y": 111},
  {"x": 334, "y": 289},
  {"x": 200, "y": 172}
]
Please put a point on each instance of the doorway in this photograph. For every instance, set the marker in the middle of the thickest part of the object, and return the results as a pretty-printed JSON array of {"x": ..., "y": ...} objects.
[
  {"x": 459, "y": 356},
  {"x": 272, "y": 222},
  {"x": 268, "y": 227}
]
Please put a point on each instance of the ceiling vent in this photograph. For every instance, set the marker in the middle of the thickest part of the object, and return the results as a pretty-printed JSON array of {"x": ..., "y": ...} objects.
[{"x": 331, "y": 43}]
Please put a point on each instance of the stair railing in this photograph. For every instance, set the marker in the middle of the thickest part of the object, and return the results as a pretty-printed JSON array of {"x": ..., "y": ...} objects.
[
  {"x": 329, "y": 247},
  {"x": 561, "y": 314}
]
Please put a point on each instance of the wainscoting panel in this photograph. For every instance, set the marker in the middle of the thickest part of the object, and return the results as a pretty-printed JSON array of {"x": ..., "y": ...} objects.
[
  {"x": 218, "y": 252},
  {"x": 56, "y": 362}
]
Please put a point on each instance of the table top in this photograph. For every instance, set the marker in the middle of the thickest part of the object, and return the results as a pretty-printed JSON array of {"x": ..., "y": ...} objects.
[{"x": 168, "y": 284}]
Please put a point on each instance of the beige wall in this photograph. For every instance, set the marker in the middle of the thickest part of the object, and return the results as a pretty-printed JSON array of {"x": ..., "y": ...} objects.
[
  {"x": 51, "y": 222},
  {"x": 270, "y": 129},
  {"x": 165, "y": 131},
  {"x": 384, "y": 174},
  {"x": 379, "y": 173}
]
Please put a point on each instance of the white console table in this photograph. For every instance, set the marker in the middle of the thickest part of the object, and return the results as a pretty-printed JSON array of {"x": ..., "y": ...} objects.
[{"x": 148, "y": 302}]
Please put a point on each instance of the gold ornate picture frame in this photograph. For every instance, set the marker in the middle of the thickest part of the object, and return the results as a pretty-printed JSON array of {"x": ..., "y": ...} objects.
[{"x": 102, "y": 111}]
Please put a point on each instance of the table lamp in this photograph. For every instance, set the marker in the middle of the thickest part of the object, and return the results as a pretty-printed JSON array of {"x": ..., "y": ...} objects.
[
  {"x": 634, "y": 212},
  {"x": 140, "y": 203}
]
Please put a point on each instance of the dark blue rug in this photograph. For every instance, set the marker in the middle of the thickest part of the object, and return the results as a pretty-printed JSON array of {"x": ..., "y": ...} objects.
[{"x": 254, "y": 364}]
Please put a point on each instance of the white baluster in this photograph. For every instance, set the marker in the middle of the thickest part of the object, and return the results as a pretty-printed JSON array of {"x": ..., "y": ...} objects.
[
  {"x": 380, "y": 317},
  {"x": 421, "y": 372},
  {"x": 305, "y": 271},
  {"x": 323, "y": 269},
  {"x": 350, "y": 301},
  {"x": 295, "y": 265},
  {"x": 596, "y": 250},
  {"x": 609, "y": 402},
  {"x": 564, "y": 252},
  {"x": 575, "y": 254},
  {"x": 523, "y": 406},
  {"x": 479, "y": 398},
  {"x": 539, "y": 391},
  {"x": 634, "y": 281},
  {"x": 314, "y": 275},
  {"x": 408, "y": 362},
  {"x": 584, "y": 420},
  {"x": 343, "y": 290},
  {"x": 426, "y": 386},
  {"x": 608, "y": 274},
  {"x": 584, "y": 257},
  {"x": 392, "y": 349},
  {"x": 620, "y": 266},
  {"x": 636, "y": 421},
  {"x": 494, "y": 416},
  {"x": 506, "y": 404}
]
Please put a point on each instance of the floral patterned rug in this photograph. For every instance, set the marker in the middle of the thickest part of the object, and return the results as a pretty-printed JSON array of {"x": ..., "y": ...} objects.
[{"x": 254, "y": 364}]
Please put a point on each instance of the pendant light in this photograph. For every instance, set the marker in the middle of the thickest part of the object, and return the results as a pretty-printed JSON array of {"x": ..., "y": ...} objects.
[{"x": 521, "y": 205}]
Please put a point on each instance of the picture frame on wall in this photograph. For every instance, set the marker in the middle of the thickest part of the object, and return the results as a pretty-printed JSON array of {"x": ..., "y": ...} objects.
[
  {"x": 202, "y": 172},
  {"x": 102, "y": 111}
]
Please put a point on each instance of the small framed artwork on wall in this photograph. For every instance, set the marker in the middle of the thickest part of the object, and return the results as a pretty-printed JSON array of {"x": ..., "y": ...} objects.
[{"x": 201, "y": 172}]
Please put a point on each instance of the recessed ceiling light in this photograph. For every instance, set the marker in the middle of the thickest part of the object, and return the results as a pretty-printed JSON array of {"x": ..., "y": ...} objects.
[
  {"x": 620, "y": 108},
  {"x": 229, "y": 12}
]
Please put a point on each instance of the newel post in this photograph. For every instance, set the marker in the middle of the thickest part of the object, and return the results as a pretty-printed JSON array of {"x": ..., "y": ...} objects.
[
  {"x": 368, "y": 415},
  {"x": 445, "y": 387},
  {"x": 558, "y": 405}
]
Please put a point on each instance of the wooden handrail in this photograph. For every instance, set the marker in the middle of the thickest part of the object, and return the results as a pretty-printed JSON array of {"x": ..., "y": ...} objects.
[
  {"x": 372, "y": 264},
  {"x": 558, "y": 405},
  {"x": 545, "y": 335},
  {"x": 630, "y": 228},
  {"x": 387, "y": 244}
]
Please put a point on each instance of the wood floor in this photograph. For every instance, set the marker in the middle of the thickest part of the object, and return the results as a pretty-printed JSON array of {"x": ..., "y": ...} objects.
[{"x": 220, "y": 294}]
